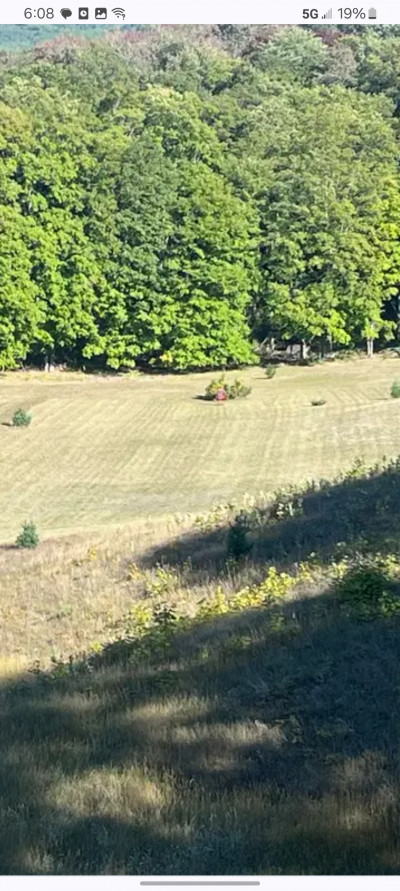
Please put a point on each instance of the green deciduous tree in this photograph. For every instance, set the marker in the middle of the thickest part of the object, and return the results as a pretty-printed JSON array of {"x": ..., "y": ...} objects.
[
  {"x": 166, "y": 194},
  {"x": 327, "y": 189}
]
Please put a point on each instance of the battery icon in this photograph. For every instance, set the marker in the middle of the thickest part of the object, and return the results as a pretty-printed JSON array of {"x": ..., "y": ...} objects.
[{"x": 372, "y": 13}]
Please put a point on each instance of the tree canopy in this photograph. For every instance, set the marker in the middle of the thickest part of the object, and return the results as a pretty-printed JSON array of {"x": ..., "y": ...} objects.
[{"x": 168, "y": 193}]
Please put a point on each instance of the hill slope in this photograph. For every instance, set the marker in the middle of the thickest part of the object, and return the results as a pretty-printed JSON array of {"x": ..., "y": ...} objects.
[{"x": 253, "y": 733}]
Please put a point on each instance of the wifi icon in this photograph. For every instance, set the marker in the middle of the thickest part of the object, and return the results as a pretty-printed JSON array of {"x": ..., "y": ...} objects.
[{"x": 120, "y": 13}]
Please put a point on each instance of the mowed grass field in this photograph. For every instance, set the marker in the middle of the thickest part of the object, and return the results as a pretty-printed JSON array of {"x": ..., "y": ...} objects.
[{"x": 105, "y": 451}]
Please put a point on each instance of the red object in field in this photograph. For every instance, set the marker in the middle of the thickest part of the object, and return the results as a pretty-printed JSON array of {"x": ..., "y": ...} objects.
[{"x": 221, "y": 395}]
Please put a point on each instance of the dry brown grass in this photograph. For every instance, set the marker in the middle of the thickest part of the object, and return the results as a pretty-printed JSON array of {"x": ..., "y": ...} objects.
[
  {"x": 67, "y": 595},
  {"x": 243, "y": 750}
]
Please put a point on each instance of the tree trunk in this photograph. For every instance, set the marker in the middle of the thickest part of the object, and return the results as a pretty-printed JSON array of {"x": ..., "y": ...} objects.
[
  {"x": 267, "y": 346},
  {"x": 304, "y": 350},
  {"x": 370, "y": 347},
  {"x": 49, "y": 361}
]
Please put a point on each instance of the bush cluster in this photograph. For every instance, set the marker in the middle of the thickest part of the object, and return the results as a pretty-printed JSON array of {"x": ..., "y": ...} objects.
[
  {"x": 237, "y": 390},
  {"x": 367, "y": 587}
]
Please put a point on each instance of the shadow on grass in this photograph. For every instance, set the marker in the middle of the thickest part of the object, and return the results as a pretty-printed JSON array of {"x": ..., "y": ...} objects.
[
  {"x": 357, "y": 515},
  {"x": 246, "y": 747},
  {"x": 264, "y": 742}
]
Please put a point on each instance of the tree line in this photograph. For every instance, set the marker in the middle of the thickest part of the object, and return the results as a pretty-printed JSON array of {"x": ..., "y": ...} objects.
[{"x": 173, "y": 195}]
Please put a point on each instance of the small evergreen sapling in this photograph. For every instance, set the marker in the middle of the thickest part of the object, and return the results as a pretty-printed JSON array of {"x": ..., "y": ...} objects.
[
  {"x": 28, "y": 537},
  {"x": 21, "y": 418},
  {"x": 237, "y": 544}
]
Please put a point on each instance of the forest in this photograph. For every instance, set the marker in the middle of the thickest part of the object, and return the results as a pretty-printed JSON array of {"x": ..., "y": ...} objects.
[{"x": 174, "y": 196}]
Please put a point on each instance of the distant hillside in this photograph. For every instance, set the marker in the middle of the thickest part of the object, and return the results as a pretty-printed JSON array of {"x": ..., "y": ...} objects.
[{"x": 14, "y": 37}]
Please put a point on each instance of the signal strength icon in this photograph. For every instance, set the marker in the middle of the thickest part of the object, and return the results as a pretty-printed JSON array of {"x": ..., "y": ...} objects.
[
  {"x": 120, "y": 13},
  {"x": 327, "y": 15}
]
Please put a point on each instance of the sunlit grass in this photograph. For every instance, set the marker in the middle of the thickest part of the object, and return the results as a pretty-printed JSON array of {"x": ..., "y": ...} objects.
[{"x": 107, "y": 451}]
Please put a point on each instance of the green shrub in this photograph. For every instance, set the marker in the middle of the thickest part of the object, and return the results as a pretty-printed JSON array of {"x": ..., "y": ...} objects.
[
  {"x": 363, "y": 582},
  {"x": 318, "y": 402},
  {"x": 395, "y": 390},
  {"x": 237, "y": 543},
  {"x": 368, "y": 587},
  {"x": 165, "y": 583},
  {"x": 238, "y": 390},
  {"x": 233, "y": 391},
  {"x": 21, "y": 418},
  {"x": 215, "y": 385},
  {"x": 270, "y": 371},
  {"x": 28, "y": 537}
]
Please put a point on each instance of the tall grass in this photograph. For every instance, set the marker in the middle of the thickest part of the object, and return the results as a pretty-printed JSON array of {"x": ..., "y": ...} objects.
[{"x": 238, "y": 720}]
